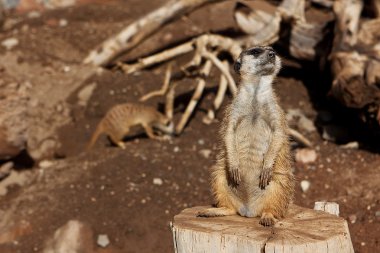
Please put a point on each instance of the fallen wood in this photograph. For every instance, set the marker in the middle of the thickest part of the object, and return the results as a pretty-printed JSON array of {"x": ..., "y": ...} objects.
[
  {"x": 302, "y": 230},
  {"x": 134, "y": 33},
  {"x": 347, "y": 13},
  {"x": 221, "y": 43}
]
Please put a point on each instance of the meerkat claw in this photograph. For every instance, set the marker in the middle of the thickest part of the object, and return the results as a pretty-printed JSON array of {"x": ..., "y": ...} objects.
[
  {"x": 235, "y": 175},
  {"x": 265, "y": 177},
  {"x": 267, "y": 220}
]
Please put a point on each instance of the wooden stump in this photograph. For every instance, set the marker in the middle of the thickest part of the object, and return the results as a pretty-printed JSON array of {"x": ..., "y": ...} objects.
[{"x": 303, "y": 230}]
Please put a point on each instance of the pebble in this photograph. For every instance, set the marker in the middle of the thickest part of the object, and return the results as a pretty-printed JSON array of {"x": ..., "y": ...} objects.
[
  {"x": 66, "y": 69},
  {"x": 305, "y": 185},
  {"x": 157, "y": 181},
  {"x": 350, "y": 145},
  {"x": 34, "y": 14},
  {"x": 63, "y": 22},
  {"x": 205, "y": 153},
  {"x": 85, "y": 93},
  {"x": 10, "y": 43},
  {"x": 352, "y": 218},
  {"x": 176, "y": 149},
  {"x": 306, "y": 155},
  {"x": 5, "y": 169},
  {"x": 45, "y": 164},
  {"x": 103, "y": 241},
  {"x": 201, "y": 142},
  {"x": 377, "y": 214}
]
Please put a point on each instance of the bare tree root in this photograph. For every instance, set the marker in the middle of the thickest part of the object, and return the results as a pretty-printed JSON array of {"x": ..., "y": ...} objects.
[
  {"x": 298, "y": 137},
  {"x": 220, "y": 43},
  {"x": 164, "y": 87},
  {"x": 136, "y": 32},
  {"x": 195, "y": 98},
  {"x": 225, "y": 71},
  {"x": 222, "y": 88}
]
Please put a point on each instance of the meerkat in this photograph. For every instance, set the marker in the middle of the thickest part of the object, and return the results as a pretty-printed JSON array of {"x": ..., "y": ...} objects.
[
  {"x": 253, "y": 175},
  {"x": 120, "y": 118}
]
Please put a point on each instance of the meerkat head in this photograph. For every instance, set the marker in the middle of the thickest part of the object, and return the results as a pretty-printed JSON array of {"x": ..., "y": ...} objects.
[{"x": 258, "y": 61}]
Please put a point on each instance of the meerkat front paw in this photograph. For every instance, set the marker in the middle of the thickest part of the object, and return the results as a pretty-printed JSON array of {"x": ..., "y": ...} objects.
[
  {"x": 267, "y": 220},
  {"x": 265, "y": 177}
]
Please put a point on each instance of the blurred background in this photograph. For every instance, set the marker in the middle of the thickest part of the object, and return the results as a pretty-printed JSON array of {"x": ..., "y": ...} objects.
[{"x": 123, "y": 200}]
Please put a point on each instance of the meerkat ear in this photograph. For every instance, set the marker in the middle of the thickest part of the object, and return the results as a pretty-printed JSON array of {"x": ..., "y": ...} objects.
[{"x": 237, "y": 65}]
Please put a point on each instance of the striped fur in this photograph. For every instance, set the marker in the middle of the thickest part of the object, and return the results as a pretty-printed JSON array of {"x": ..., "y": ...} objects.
[{"x": 120, "y": 118}]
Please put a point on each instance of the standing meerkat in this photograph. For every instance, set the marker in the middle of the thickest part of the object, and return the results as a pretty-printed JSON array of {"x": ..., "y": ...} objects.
[
  {"x": 253, "y": 175},
  {"x": 120, "y": 118}
]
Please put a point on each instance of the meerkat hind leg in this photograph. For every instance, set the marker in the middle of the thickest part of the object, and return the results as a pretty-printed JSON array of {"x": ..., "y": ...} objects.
[
  {"x": 216, "y": 212},
  {"x": 117, "y": 140}
]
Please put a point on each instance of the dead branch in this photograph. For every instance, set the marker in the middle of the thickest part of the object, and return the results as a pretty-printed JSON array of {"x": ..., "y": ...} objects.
[
  {"x": 195, "y": 98},
  {"x": 219, "y": 42},
  {"x": 298, "y": 137},
  {"x": 222, "y": 88},
  {"x": 136, "y": 32},
  {"x": 164, "y": 88},
  {"x": 293, "y": 10},
  {"x": 262, "y": 27},
  {"x": 225, "y": 71},
  {"x": 347, "y": 14}
]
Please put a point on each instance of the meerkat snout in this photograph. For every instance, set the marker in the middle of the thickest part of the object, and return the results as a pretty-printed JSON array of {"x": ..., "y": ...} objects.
[{"x": 257, "y": 61}]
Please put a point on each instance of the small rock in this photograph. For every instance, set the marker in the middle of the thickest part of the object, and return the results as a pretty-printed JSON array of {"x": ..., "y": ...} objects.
[
  {"x": 306, "y": 155},
  {"x": 201, "y": 142},
  {"x": 45, "y": 164},
  {"x": 103, "y": 241},
  {"x": 350, "y": 145},
  {"x": 85, "y": 93},
  {"x": 157, "y": 181},
  {"x": 176, "y": 149},
  {"x": 14, "y": 178},
  {"x": 9, "y": 43},
  {"x": 205, "y": 153},
  {"x": 305, "y": 185},
  {"x": 63, "y": 22},
  {"x": 66, "y": 69},
  {"x": 352, "y": 218},
  {"x": 34, "y": 14},
  {"x": 5, "y": 169},
  {"x": 377, "y": 214},
  {"x": 74, "y": 236}
]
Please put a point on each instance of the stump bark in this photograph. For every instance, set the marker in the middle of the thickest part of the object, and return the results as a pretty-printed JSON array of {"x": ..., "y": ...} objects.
[{"x": 303, "y": 230}]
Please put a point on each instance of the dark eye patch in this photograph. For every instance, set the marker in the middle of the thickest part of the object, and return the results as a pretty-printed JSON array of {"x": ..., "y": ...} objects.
[
  {"x": 255, "y": 51},
  {"x": 237, "y": 66}
]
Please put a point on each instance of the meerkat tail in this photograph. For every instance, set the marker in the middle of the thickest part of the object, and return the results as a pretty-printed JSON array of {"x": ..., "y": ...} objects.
[
  {"x": 216, "y": 212},
  {"x": 94, "y": 137}
]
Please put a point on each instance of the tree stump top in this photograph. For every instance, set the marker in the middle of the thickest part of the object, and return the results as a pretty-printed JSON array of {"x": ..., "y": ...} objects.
[{"x": 302, "y": 230}]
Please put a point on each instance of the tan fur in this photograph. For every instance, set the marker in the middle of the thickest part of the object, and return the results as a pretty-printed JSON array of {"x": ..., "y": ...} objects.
[
  {"x": 253, "y": 175},
  {"x": 120, "y": 118}
]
